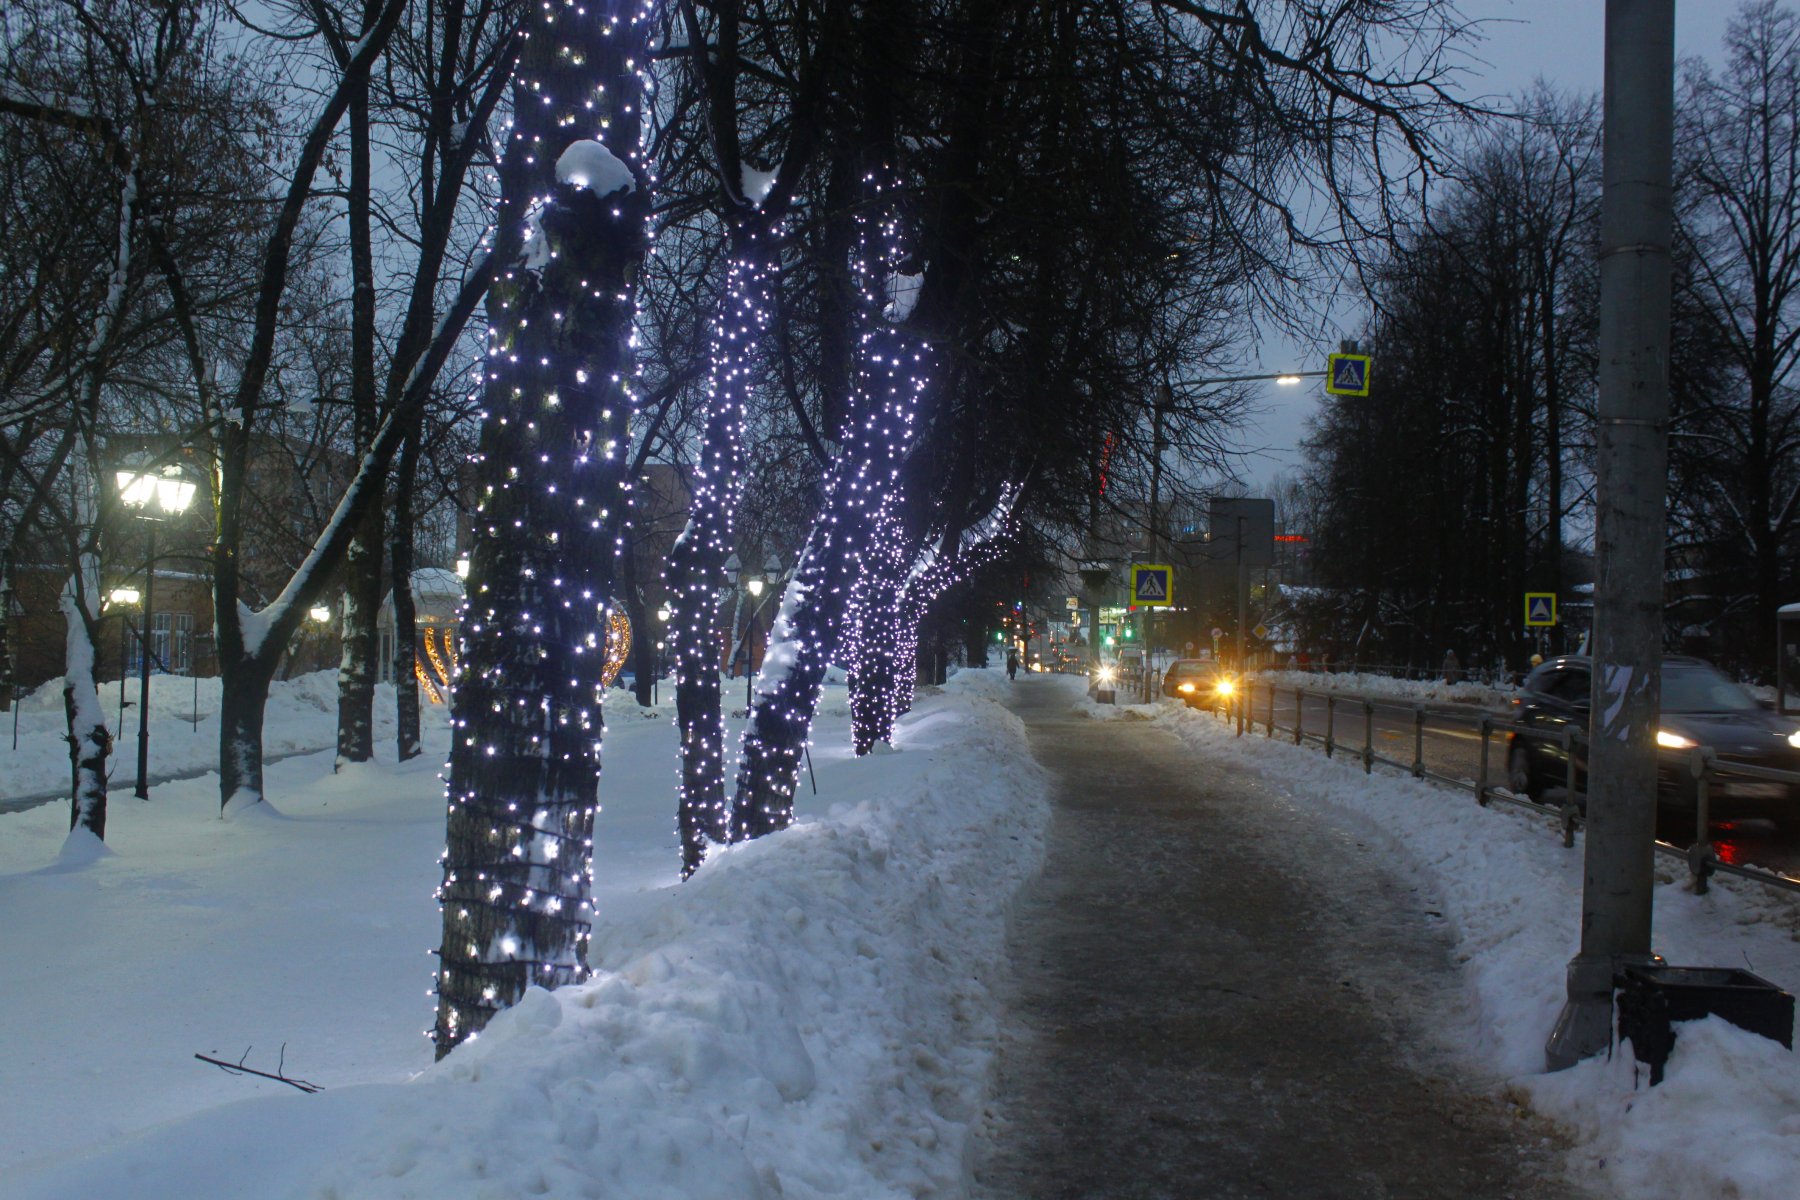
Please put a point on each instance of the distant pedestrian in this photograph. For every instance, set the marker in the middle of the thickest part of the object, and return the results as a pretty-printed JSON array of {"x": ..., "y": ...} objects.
[
  {"x": 1452, "y": 668},
  {"x": 1012, "y": 664}
]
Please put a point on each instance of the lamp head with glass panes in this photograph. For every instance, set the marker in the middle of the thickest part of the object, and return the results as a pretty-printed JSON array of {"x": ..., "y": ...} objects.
[{"x": 152, "y": 492}]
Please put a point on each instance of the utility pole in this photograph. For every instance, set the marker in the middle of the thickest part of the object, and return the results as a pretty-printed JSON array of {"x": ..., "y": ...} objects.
[
  {"x": 1164, "y": 399},
  {"x": 1631, "y": 481},
  {"x": 1242, "y": 579}
]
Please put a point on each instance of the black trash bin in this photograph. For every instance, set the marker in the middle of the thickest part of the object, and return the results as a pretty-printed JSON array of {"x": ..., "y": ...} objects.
[{"x": 1653, "y": 996}]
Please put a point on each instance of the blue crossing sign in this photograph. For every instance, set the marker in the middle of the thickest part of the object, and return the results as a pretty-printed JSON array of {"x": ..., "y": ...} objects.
[
  {"x": 1347, "y": 375},
  {"x": 1540, "y": 609},
  {"x": 1152, "y": 586}
]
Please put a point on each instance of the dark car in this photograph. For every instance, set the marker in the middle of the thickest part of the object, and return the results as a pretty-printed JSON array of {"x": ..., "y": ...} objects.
[
  {"x": 1200, "y": 682},
  {"x": 1700, "y": 707}
]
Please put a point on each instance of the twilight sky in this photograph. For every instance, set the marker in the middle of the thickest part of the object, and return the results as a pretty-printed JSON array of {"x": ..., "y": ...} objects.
[{"x": 1558, "y": 39}]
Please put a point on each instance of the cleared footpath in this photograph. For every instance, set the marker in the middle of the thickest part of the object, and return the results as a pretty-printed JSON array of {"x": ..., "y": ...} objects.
[{"x": 1215, "y": 996}]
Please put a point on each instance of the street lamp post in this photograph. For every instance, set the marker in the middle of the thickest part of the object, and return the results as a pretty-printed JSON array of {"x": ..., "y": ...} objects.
[
  {"x": 663, "y": 613},
  {"x": 319, "y": 614},
  {"x": 754, "y": 584},
  {"x": 123, "y": 597},
  {"x": 169, "y": 494}
]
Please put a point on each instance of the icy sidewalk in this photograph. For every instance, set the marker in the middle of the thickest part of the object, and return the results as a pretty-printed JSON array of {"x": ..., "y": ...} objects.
[{"x": 1219, "y": 995}]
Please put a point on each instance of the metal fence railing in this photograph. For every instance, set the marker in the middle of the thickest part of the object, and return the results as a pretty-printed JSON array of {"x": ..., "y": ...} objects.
[{"x": 1254, "y": 705}]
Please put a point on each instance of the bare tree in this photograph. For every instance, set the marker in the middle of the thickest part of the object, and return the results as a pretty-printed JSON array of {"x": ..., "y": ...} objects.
[{"x": 1737, "y": 442}]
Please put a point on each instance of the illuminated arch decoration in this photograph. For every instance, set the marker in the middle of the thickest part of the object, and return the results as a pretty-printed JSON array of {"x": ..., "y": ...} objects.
[
  {"x": 436, "y": 682},
  {"x": 440, "y": 654}
]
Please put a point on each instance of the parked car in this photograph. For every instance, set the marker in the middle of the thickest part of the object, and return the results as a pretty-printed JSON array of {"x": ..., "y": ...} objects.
[
  {"x": 1700, "y": 707},
  {"x": 1200, "y": 682}
]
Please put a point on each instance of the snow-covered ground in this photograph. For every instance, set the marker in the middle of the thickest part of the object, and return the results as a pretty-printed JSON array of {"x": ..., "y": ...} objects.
[
  {"x": 184, "y": 728},
  {"x": 811, "y": 1016}
]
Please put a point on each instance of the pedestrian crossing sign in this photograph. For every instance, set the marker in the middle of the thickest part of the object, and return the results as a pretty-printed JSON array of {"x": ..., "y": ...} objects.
[
  {"x": 1347, "y": 375},
  {"x": 1540, "y": 609},
  {"x": 1152, "y": 585}
]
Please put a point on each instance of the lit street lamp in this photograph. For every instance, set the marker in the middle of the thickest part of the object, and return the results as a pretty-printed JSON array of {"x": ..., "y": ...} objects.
[
  {"x": 754, "y": 584},
  {"x": 165, "y": 494},
  {"x": 663, "y": 613}
]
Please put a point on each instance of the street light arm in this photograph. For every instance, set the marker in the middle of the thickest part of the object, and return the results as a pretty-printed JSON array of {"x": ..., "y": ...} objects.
[{"x": 1257, "y": 378}]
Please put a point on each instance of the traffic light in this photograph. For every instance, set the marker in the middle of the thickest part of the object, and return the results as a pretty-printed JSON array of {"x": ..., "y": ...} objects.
[{"x": 1129, "y": 632}]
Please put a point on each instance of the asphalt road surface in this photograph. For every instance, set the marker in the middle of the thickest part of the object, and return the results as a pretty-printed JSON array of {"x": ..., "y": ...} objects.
[{"x": 1218, "y": 996}]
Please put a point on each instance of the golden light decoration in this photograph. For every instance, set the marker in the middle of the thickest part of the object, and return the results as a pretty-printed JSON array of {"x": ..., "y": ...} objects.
[
  {"x": 443, "y": 665},
  {"x": 618, "y": 644},
  {"x": 440, "y": 651}
]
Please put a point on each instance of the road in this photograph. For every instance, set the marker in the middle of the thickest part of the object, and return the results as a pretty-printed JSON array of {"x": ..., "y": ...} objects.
[{"x": 1451, "y": 747}]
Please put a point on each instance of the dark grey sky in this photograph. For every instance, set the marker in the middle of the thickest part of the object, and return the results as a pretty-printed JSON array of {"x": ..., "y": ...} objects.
[{"x": 1559, "y": 40}]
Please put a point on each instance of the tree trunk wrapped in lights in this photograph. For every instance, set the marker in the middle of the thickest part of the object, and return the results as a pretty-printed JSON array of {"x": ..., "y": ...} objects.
[
  {"x": 696, "y": 564},
  {"x": 878, "y": 428},
  {"x": 526, "y": 722},
  {"x": 892, "y": 596},
  {"x": 754, "y": 204}
]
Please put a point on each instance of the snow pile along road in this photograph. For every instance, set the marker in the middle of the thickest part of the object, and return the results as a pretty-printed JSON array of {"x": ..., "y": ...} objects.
[
  {"x": 1726, "y": 1119},
  {"x": 810, "y": 1016}
]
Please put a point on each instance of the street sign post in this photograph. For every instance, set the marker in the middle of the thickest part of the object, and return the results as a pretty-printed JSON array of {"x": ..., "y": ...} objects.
[
  {"x": 1540, "y": 609},
  {"x": 1347, "y": 375}
]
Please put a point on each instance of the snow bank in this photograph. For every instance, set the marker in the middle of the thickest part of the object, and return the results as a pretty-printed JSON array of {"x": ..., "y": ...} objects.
[
  {"x": 1726, "y": 1120},
  {"x": 810, "y": 1016},
  {"x": 1360, "y": 684}
]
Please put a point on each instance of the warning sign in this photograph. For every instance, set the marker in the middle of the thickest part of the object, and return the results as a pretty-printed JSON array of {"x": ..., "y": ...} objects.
[
  {"x": 1540, "y": 609},
  {"x": 1152, "y": 586}
]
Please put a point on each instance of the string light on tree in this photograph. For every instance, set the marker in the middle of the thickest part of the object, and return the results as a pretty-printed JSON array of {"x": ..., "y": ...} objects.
[
  {"x": 891, "y": 373},
  {"x": 556, "y": 402}
]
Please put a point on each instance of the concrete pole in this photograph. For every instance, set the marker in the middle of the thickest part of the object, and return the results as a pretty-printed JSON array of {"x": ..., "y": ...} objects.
[
  {"x": 1631, "y": 481},
  {"x": 1242, "y": 578}
]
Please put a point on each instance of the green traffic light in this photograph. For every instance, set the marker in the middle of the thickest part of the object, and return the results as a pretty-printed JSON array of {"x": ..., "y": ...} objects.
[{"x": 1109, "y": 639}]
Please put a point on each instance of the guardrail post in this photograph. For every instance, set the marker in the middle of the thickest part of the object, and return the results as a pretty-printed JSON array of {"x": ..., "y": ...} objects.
[
  {"x": 1481, "y": 784},
  {"x": 1330, "y": 722},
  {"x": 1271, "y": 732},
  {"x": 1368, "y": 737},
  {"x": 1700, "y": 855},
  {"x": 1299, "y": 714},
  {"x": 1418, "y": 767}
]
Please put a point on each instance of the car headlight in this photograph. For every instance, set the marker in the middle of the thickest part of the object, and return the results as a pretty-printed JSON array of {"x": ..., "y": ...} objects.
[
  {"x": 1674, "y": 741},
  {"x": 1794, "y": 739},
  {"x": 1188, "y": 688},
  {"x": 1225, "y": 687},
  {"x": 1105, "y": 674}
]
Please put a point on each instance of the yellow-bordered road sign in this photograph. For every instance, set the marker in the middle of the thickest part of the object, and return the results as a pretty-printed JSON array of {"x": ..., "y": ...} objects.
[
  {"x": 1152, "y": 585},
  {"x": 1347, "y": 374},
  {"x": 1540, "y": 608}
]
